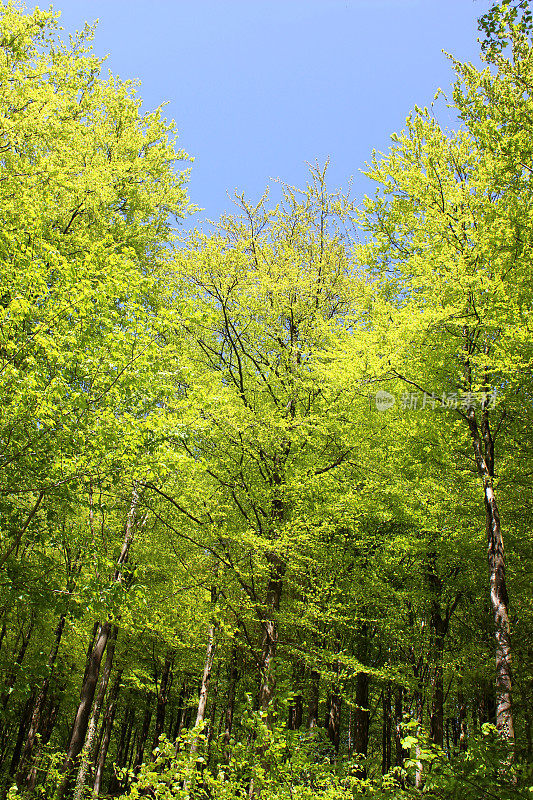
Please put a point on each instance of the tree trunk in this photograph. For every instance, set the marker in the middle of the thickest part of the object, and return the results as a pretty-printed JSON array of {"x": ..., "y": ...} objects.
[
  {"x": 12, "y": 677},
  {"x": 162, "y": 698},
  {"x": 23, "y": 727},
  {"x": 386, "y": 731},
  {"x": 437, "y": 712},
  {"x": 333, "y": 719},
  {"x": 314, "y": 696},
  {"x": 277, "y": 569},
  {"x": 463, "y": 730},
  {"x": 400, "y": 753},
  {"x": 143, "y": 736},
  {"x": 79, "y": 729},
  {"x": 296, "y": 707},
  {"x": 213, "y": 713},
  {"x": 180, "y": 713},
  {"x": 26, "y": 775},
  {"x": 361, "y": 718},
  {"x": 206, "y": 677},
  {"x": 234, "y": 675},
  {"x": 81, "y": 721},
  {"x": 123, "y": 747},
  {"x": 88, "y": 747},
  {"x": 483, "y": 445},
  {"x": 106, "y": 738}
]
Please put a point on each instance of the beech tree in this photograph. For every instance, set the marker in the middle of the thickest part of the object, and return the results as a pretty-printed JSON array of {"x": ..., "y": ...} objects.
[{"x": 452, "y": 244}]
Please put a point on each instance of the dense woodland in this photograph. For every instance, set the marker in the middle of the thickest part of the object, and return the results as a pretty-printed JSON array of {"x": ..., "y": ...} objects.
[{"x": 266, "y": 491}]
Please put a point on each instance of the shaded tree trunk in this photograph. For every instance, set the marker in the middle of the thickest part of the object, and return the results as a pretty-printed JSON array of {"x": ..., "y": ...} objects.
[
  {"x": 361, "y": 718},
  {"x": 463, "y": 729},
  {"x": 233, "y": 677},
  {"x": 81, "y": 721},
  {"x": 400, "y": 753},
  {"x": 88, "y": 747},
  {"x": 108, "y": 721},
  {"x": 386, "y": 731},
  {"x": 143, "y": 734},
  {"x": 162, "y": 698},
  {"x": 26, "y": 775},
  {"x": 13, "y": 673},
  {"x": 314, "y": 696},
  {"x": 333, "y": 719},
  {"x": 296, "y": 707},
  {"x": 277, "y": 569},
  {"x": 123, "y": 747},
  {"x": 24, "y": 724}
]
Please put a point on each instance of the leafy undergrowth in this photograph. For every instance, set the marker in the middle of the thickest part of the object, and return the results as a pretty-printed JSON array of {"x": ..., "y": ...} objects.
[{"x": 279, "y": 764}]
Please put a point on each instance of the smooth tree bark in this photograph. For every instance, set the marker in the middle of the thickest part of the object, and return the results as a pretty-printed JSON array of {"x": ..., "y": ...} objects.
[
  {"x": 399, "y": 753},
  {"x": 123, "y": 746},
  {"x": 108, "y": 721},
  {"x": 92, "y": 670},
  {"x": 386, "y": 729},
  {"x": 24, "y": 724},
  {"x": 314, "y": 697},
  {"x": 362, "y": 692},
  {"x": 143, "y": 733},
  {"x": 213, "y": 713},
  {"x": 483, "y": 445},
  {"x": 81, "y": 721},
  {"x": 162, "y": 697},
  {"x": 277, "y": 568},
  {"x": 333, "y": 719},
  {"x": 15, "y": 669},
  {"x": 361, "y": 719},
  {"x": 90, "y": 738},
  {"x": 206, "y": 678},
  {"x": 233, "y": 677},
  {"x": 26, "y": 774}
]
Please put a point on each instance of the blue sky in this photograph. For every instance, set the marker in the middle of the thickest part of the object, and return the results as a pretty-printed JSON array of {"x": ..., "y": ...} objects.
[{"x": 260, "y": 87}]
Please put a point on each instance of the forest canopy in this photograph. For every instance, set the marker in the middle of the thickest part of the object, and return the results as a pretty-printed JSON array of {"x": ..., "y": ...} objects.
[{"x": 265, "y": 490}]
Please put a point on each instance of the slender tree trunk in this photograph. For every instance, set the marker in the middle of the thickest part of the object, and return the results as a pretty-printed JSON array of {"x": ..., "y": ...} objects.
[
  {"x": 400, "y": 753},
  {"x": 12, "y": 677},
  {"x": 484, "y": 456},
  {"x": 88, "y": 747},
  {"x": 362, "y": 711},
  {"x": 162, "y": 698},
  {"x": 234, "y": 675},
  {"x": 79, "y": 728},
  {"x": 386, "y": 731},
  {"x": 437, "y": 711},
  {"x": 206, "y": 677},
  {"x": 81, "y": 721},
  {"x": 361, "y": 718},
  {"x": 270, "y": 632},
  {"x": 296, "y": 707},
  {"x": 123, "y": 747},
  {"x": 314, "y": 696},
  {"x": 212, "y": 715},
  {"x": 106, "y": 738},
  {"x": 90, "y": 647},
  {"x": 23, "y": 727},
  {"x": 26, "y": 775},
  {"x": 143, "y": 736},
  {"x": 180, "y": 713},
  {"x": 463, "y": 729},
  {"x": 333, "y": 719}
]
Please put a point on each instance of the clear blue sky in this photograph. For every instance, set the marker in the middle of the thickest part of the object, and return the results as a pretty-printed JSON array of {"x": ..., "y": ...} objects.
[{"x": 259, "y": 87}]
